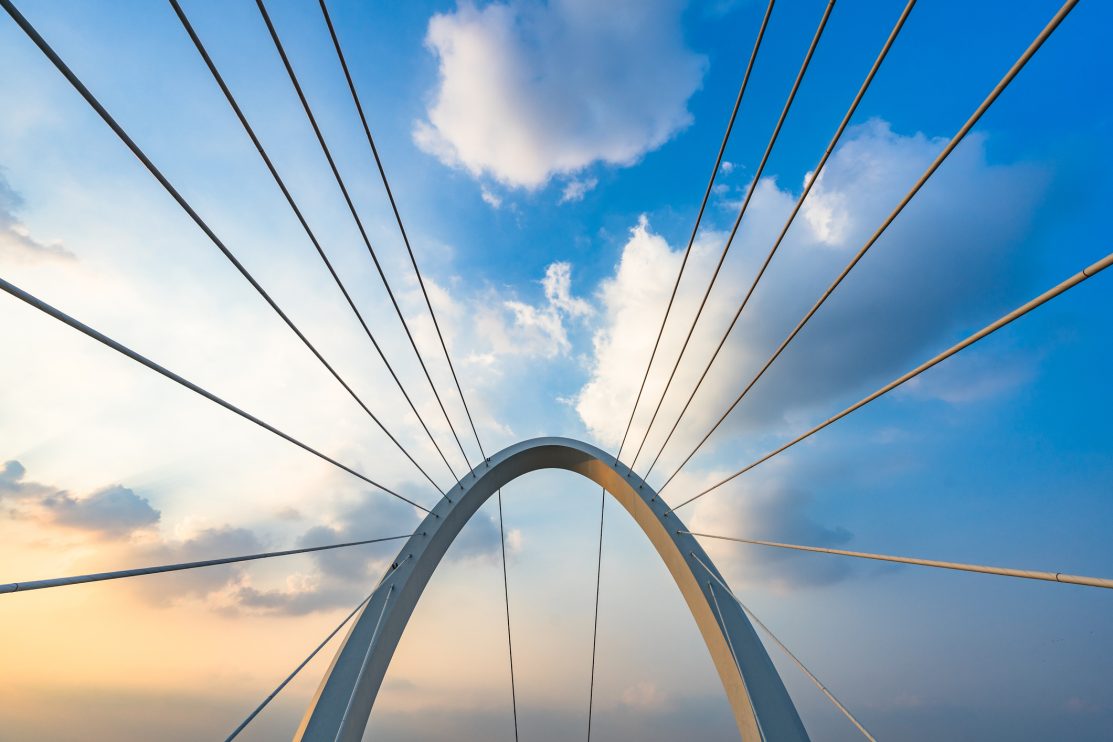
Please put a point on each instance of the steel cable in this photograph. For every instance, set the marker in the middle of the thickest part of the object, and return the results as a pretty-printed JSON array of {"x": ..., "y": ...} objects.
[
  {"x": 302, "y": 220},
  {"x": 72, "y": 78},
  {"x": 936, "y": 163},
  {"x": 788, "y": 223}
]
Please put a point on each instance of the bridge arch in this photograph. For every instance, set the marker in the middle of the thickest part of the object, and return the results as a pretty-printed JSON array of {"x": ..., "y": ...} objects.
[{"x": 342, "y": 705}]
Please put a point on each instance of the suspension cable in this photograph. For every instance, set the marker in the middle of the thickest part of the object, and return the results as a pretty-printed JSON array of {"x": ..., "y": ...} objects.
[
  {"x": 270, "y": 697},
  {"x": 22, "y": 587},
  {"x": 830, "y": 696},
  {"x": 955, "y": 140},
  {"x": 595, "y": 622},
  {"x": 363, "y": 665},
  {"x": 788, "y": 223},
  {"x": 398, "y": 219},
  {"x": 1028, "y": 574},
  {"x": 355, "y": 214},
  {"x": 286, "y": 681},
  {"x": 738, "y": 221},
  {"x": 660, "y": 333},
  {"x": 1077, "y": 278},
  {"x": 72, "y": 78},
  {"x": 100, "y": 337},
  {"x": 302, "y": 220},
  {"x": 509, "y": 640},
  {"x": 734, "y": 655},
  {"x": 699, "y": 217}
]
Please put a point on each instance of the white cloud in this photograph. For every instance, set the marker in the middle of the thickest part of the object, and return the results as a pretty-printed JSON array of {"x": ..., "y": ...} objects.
[
  {"x": 558, "y": 291},
  {"x": 490, "y": 198},
  {"x": 540, "y": 330},
  {"x": 927, "y": 276},
  {"x": 638, "y": 291},
  {"x": 576, "y": 189},
  {"x": 530, "y": 89},
  {"x": 501, "y": 327}
]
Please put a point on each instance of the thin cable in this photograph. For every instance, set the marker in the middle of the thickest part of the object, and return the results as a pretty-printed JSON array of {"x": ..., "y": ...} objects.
[
  {"x": 251, "y": 717},
  {"x": 509, "y": 641},
  {"x": 363, "y": 666},
  {"x": 830, "y": 696},
  {"x": 699, "y": 218},
  {"x": 733, "y": 654},
  {"x": 100, "y": 337},
  {"x": 305, "y": 224},
  {"x": 284, "y": 683},
  {"x": 398, "y": 218},
  {"x": 788, "y": 223},
  {"x": 595, "y": 624},
  {"x": 355, "y": 214},
  {"x": 660, "y": 333},
  {"x": 1027, "y": 574},
  {"x": 22, "y": 587},
  {"x": 955, "y": 140},
  {"x": 989, "y": 329},
  {"x": 738, "y": 221},
  {"x": 72, "y": 78}
]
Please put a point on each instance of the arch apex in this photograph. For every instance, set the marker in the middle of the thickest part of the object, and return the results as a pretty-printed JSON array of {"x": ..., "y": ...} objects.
[{"x": 758, "y": 699}]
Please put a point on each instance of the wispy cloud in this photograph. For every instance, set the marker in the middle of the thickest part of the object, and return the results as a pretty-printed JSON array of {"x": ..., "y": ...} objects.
[
  {"x": 16, "y": 240},
  {"x": 576, "y": 189}
]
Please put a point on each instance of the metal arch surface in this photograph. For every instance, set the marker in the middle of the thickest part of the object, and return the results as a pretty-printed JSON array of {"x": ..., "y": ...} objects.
[{"x": 342, "y": 705}]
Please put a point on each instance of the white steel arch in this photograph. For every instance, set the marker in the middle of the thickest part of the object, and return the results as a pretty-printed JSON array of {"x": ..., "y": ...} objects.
[{"x": 762, "y": 707}]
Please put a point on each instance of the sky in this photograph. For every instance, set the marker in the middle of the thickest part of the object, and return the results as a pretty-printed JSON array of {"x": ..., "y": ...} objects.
[{"x": 548, "y": 159}]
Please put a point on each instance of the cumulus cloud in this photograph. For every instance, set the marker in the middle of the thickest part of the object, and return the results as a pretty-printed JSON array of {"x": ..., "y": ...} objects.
[
  {"x": 638, "y": 290},
  {"x": 16, "y": 241},
  {"x": 932, "y": 278},
  {"x": 529, "y": 89},
  {"x": 108, "y": 512},
  {"x": 933, "y": 273},
  {"x": 113, "y": 510}
]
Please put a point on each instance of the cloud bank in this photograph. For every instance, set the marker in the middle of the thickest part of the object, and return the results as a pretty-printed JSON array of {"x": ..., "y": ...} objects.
[
  {"x": 932, "y": 276},
  {"x": 931, "y": 273},
  {"x": 118, "y": 520}
]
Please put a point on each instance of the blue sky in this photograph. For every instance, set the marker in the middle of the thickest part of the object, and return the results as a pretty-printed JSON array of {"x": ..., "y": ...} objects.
[{"x": 549, "y": 158}]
